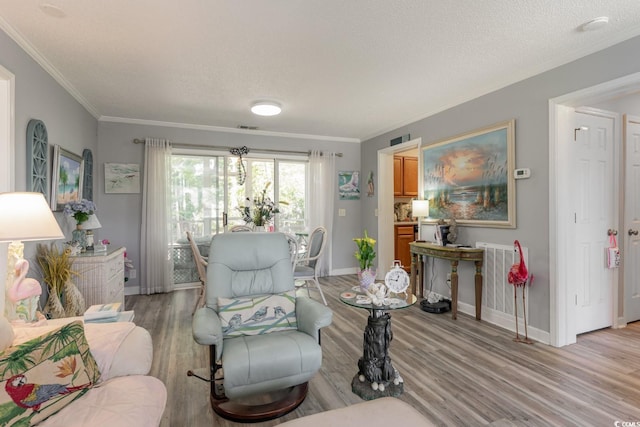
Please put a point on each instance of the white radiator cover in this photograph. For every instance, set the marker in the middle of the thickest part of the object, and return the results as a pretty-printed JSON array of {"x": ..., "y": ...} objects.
[{"x": 497, "y": 292}]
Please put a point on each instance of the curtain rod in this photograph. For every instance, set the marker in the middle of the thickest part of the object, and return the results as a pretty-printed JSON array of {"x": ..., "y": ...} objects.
[{"x": 220, "y": 147}]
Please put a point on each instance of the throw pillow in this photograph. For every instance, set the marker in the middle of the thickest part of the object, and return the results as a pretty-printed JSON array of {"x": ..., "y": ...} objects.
[
  {"x": 43, "y": 375},
  {"x": 258, "y": 314}
]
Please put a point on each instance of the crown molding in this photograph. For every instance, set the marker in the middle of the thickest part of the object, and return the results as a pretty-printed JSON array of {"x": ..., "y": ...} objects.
[
  {"x": 47, "y": 66},
  {"x": 226, "y": 129}
]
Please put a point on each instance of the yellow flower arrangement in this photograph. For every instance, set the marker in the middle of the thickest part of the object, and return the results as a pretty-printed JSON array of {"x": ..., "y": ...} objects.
[{"x": 365, "y": 253}]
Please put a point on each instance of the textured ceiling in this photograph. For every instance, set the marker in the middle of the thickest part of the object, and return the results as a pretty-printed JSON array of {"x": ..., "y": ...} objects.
[{"x": 348, "y": 69}]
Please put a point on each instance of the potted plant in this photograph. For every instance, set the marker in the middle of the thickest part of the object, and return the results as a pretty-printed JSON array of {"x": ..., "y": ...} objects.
[
  {"x": 56, "y": 268},
  {"x": 263, "y": 211}
]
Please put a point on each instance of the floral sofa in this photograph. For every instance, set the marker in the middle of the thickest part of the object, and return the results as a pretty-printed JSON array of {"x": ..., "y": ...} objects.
[{"x": 67, "y": 373}]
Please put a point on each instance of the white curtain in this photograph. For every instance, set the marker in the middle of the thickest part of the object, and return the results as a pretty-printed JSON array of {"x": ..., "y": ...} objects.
[
  {"x": 322, "y": 181},
  {"x": 156, "y": 260}
]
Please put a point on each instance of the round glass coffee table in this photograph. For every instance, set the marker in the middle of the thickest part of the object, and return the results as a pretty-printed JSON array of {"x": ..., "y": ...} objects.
[{"x": 376, "y": 375}]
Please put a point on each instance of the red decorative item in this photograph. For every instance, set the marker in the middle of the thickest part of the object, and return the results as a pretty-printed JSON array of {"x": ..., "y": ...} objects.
[{"x": 518, "y": 276}]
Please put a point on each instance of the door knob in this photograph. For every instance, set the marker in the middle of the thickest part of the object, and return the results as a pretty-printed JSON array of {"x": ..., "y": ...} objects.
[
  {"x": 612, "y": 232},
  {"x": 633, "y": 232}
]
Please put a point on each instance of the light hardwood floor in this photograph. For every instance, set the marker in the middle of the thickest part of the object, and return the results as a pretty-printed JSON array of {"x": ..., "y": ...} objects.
[{"x": 457, "y": 373}]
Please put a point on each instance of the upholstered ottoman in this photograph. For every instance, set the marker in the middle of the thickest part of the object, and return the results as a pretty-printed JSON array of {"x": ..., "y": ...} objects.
[{"x": 384, "y": 412}]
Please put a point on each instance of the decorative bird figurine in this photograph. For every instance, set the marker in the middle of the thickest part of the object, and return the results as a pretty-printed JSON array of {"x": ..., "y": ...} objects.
[
  {"x": 31, "y": 396},
  {"x": 518, "y": 276},
  {"x": 259, "y": 315},
  {"x": 24, "y": 292},
  {"x": 23, "y": 287}
]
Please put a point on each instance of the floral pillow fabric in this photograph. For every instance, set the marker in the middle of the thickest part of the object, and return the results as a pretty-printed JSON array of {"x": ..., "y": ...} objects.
[
  {"x": 43, "y": 375},
  {"x": 258, "y": 315}
]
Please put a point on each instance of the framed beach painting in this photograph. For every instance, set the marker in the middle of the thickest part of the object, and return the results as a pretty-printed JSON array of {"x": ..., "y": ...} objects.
[
  {"x": 66, "y": 178},
  {"x": 121, "y": 178},
  {"x": 470, "y": 177}
]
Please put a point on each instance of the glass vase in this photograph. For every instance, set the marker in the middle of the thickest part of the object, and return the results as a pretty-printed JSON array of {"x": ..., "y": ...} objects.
[{"x": 366, "y": 277}]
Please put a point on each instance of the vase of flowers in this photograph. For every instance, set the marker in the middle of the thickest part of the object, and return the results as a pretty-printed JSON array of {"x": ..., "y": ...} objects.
[
  {"x": 80, "y": 211},
  {"x": 261, "y": 210},
  {"x": 365, "y": 256}
]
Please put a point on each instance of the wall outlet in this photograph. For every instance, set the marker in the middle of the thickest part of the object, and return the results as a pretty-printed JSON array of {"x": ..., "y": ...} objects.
[
  {"x": 132, "y": 273},
  {"x": 342, "y": 212}
]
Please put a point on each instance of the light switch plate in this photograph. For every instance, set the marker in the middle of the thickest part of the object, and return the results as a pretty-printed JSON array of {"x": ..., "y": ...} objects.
[{"x": 342, "y": 212}]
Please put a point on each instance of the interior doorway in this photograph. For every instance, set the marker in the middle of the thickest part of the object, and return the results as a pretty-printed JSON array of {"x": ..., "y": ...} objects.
[
  {"x": 7, "y": 151},
  {"x": 563, "y": 294},
  {"x": 386, "y": 200}
]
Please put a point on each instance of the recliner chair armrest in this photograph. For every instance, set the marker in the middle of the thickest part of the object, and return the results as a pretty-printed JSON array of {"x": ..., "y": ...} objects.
[
  {"x": 207, "y": 328},
  {"x": 312, "y": 315}
]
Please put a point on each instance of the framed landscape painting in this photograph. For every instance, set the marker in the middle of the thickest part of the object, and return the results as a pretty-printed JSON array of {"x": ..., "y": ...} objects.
[
  {"x": 121, "y": 178},
  {"x": 470, "y": 177},
  {"x": 66, "y": 178}
]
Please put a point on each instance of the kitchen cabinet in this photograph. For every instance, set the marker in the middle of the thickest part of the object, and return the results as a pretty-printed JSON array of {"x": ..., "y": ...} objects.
[
  {"x": 404, "y": 235},
  {"x": 100, "y": 276},
  {"x": 405, "y": 176}
]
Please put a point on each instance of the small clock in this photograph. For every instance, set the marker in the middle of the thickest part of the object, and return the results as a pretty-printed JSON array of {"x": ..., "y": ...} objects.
[{"x": 397, "y": 280}]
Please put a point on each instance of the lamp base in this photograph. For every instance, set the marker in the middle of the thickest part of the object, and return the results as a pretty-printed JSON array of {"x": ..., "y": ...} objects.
[{"x": 79, "y": 235}]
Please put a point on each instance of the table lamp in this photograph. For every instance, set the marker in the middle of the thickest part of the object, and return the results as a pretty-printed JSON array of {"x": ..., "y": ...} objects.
[
  {"x": 24, "y": 217},
  {"x": 420, "y": 209},
  {"x": 89, "y": 225}
]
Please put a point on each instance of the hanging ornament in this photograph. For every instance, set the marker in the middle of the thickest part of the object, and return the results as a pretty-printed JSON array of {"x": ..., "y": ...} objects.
[{"x": 242, "y": 172}]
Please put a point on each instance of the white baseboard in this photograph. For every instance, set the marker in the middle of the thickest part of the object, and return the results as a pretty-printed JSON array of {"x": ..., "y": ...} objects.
[
  {"x": 343, "y": 271},
  {"x": 506, "y": 322}
]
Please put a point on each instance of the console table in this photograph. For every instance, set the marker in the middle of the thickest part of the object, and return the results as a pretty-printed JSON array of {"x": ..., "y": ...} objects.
[{"x": 454, "y": 255}]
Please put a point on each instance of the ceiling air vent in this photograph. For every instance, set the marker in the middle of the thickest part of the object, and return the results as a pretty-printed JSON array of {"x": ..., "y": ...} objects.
[{"x": 247, "y": 127}]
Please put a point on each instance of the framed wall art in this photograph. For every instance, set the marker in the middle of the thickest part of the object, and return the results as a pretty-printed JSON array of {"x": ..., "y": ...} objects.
[
  {"x": 349, "y": 185},
  {"x": 121, "y": 178},
  {"x": 66, "y": 178},
  {"x": 470, "y": 177}
]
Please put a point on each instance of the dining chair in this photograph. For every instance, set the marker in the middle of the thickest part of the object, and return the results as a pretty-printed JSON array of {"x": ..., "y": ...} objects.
[
  {"x": 293, "y": 249},
  {"x": 201, "y": 266},
  {"x": 306, "y": 268}
]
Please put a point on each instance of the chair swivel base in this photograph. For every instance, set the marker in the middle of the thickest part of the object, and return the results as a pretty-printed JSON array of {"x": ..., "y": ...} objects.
[{"x": 246, "y": 413}]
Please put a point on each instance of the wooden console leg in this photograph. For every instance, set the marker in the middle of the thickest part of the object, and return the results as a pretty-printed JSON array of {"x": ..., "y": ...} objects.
[{"x": 454, "y": 289}]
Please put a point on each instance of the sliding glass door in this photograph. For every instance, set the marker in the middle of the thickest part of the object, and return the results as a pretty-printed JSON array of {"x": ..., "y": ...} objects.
[{"x": 208, "y": 192}]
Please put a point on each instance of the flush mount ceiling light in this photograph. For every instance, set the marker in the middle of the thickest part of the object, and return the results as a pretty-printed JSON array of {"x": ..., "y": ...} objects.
[
  {"x": 266, "y": 108},
  {"x": 594, "y": 24}
]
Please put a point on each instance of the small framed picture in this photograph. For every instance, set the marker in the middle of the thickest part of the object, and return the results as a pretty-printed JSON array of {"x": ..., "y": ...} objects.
[
  {"x": 121, "y": 178},
  {"x": 349, "y": 185}
]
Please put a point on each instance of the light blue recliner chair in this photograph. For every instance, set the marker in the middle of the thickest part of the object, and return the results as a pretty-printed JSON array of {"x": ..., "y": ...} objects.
[{"x": 260, "y": 348}]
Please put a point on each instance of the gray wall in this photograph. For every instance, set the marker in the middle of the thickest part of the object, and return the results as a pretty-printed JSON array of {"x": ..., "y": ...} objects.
[
  {"x": 120, "y": 213},
  {"x": 39, "y": 96},
  {"x": 527, "y": 102}
]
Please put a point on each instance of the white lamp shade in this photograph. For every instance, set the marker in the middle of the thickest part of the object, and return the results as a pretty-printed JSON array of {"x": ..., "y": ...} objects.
[
  {"x": 27, "y": 216},
  {"x": 420, "y": 208},
  {"x": 92, "y": 223}
]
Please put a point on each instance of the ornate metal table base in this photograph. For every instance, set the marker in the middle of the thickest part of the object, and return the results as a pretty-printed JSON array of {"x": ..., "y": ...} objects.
[{"x": 376, "y": 375}]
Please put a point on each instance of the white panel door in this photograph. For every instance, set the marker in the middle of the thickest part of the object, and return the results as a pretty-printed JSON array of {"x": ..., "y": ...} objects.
[
  {"x": 630, "y": 233},
  {"x": 594, "y": 213}
]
